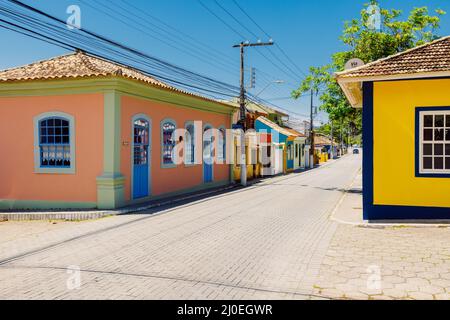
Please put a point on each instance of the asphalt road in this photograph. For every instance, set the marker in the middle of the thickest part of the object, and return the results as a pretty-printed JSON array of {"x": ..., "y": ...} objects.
[{"x": 265, "y": 242}]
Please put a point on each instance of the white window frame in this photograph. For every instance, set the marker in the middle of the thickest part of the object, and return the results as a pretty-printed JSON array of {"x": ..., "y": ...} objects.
[
  {"x": 222, "y": 144},
  {"x": 187, "y": 161},
  {"x": 37, "y": 150},
  {"x": 422, "y": 115},
  {"x": 174, "y": 123}
]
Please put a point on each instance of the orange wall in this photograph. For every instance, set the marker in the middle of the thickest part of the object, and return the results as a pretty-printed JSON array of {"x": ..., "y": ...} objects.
[
  {"x": 173, "y": 179},
  {"x": 17, "y": 178}
]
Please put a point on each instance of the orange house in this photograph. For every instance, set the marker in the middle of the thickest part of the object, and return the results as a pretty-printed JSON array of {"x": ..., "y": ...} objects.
[{"x": 77, "y": 131}]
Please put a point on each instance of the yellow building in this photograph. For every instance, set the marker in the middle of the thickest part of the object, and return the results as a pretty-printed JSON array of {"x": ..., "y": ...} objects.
[{"x": 406, "y": 132}]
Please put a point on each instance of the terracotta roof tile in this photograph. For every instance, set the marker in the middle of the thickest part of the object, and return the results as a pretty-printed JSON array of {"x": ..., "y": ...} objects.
[
  {"x": 431, "y": 57},
  {"x": 81, "y": 65},
  {"x": 250, "y": 106},
  {"x": 295, "y": 132},
  {"x": 321, "y": 140},
  {"x": 75, "y": 65},
  {"x": 276, "y": 127}
]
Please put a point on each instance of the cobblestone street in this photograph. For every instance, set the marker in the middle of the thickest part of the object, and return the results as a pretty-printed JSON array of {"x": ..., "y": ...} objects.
[{"x": 274, "y": 240}]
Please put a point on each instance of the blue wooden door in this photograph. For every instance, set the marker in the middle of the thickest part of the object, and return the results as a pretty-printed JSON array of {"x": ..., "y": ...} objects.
[
  {"x": 141, "y": 155},
  {"x": 208, "y": 157}
]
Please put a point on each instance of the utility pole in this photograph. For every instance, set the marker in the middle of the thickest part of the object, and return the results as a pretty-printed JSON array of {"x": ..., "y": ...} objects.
[
  {"x": 349, "y": 133},
  {"x": 243, "y": 110},
  {"x": 342, "y": 137},
  {"x": 332, "y": 139},
  {"x": 311, "y": 132}
]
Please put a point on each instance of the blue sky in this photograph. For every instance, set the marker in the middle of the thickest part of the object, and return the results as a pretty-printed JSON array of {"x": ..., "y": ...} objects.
[{"x": 307, "y": 31}]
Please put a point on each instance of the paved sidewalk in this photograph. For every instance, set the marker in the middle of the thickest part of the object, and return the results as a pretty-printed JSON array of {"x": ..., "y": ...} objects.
[
  {"x": 349, "y": 209},
  {"x": 384, "y": 260},
  {"x": 387, "y": 263}
]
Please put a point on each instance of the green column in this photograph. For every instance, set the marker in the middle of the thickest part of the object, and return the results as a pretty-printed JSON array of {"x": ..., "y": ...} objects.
[{"x": 110, "y": 185}]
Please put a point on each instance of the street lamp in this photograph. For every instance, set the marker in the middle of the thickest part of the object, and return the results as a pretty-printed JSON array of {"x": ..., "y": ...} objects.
[{"x": 269, "y": 84}]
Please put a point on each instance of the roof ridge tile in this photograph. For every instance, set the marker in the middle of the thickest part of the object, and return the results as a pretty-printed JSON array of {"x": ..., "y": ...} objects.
[
  {"x": 407, "y": 57},
  {"x": 83, "y": 65}
]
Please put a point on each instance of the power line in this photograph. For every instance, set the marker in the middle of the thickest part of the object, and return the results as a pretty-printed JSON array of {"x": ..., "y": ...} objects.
[
  {"x": 290, "y": 97},
  {"x": 235, "y": 19},
  {"x": 293, "y": 63},
  {"x": 281, "y": 98},
  {"x": 28, "y": 32},
  {"x": 277, "y": 66},
  {"x": 41, "y": 38},
  {"x": 58, "y": 34},
  {"x": 285, "y": 65},
  {"x": 191, "y": 52},
  {"x": 288, "y": 73},
  {"x": 276, "y": 107},
  {"x": 196, "y": 44},
  {"x": 271, "y": 77},
  {"x": 223, "y": 21},
  {"x": 260, "y": 28},
  {"x": 251, "y": 19},
  {"x": 177, "y": 31}
]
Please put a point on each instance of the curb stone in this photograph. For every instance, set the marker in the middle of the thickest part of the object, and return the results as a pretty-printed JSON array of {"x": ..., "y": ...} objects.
[
  {"x": 74, "y": 216},
  {"x": 394, "y": 224}
]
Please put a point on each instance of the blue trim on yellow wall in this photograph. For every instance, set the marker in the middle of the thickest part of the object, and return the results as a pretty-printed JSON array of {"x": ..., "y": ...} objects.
[
  {"x": 373, "y": 212},
  {"x": 417, "y": 150},
  {"x": 378, "y": 212},
  {"x": 367, "y": 149},
  {"x": 415, "y": 79}
]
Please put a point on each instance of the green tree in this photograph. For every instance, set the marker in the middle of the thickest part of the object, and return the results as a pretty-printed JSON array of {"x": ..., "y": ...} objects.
[{"x": 396, "y": 35}]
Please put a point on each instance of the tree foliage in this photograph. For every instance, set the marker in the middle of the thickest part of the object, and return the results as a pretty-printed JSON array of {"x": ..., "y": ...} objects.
[{"x": 396, "y": 35}]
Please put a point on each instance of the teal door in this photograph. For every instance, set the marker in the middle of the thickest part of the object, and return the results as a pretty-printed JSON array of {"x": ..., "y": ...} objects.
[
  {"x": 290, "y": 155},
  {"x": 141, "y": 157}
]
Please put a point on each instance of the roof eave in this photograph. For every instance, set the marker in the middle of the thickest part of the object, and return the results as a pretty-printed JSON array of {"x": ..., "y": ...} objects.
[
  {"x": 353, "y": 92},
  {"x": 398, "y": 76},
  {"x": 352, "y": 86}
]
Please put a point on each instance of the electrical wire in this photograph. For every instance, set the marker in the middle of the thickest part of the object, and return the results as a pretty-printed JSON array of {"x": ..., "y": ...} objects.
[
  {"x": 288, "y": 73},
  {"x": 263, "y": 31},
  {"x": 29, "y": 21},
  {"x": 235, "y": 19},
  {"x": 85, "y": 38},
  {"x": 177, "y": 32},
  {"x": 142, "y": 27},
  {"x": 222, "y": 20}
]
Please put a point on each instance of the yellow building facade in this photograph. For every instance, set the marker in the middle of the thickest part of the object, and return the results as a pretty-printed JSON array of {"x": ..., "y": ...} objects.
[{"x": 406, "y": 132}]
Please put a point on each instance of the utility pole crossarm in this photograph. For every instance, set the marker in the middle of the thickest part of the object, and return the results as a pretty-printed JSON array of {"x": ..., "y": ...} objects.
[{"x": 258, "y": 44}]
